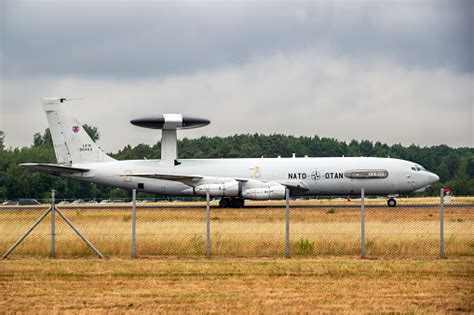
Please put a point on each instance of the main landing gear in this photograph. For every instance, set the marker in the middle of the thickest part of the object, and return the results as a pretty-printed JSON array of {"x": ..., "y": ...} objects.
[
  {"x": 391, "y": 202},
  {"x": 232, "y": 203}
]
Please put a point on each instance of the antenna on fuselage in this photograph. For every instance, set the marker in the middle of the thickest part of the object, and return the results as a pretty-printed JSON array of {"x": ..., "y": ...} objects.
[{"x": 169, "y": 124}]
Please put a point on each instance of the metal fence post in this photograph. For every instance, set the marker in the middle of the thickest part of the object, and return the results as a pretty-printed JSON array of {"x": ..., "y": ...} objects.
[
  {"x": 208, "y": 226},
  {"x": 53, "y": 223},
  {"x": 441, "y": 224},
  {"x": 362, "y": 221},
  {"x": 134, "y": 223},
  {"x": 287, "y": 215}
]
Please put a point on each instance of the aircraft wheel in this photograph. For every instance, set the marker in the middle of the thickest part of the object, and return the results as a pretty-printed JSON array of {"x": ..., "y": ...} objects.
[
  {"x": 224, "y": 203},
  {"x": 239, "y": 202},
  {"x": 391, "y": 202},
  {"x": 236, "y": 202}
]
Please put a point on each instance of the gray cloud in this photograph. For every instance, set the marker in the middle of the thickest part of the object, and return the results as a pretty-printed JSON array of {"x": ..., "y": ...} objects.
[
  {"x": 137, "y": 39},
  {"x": 304, "y": 93}
]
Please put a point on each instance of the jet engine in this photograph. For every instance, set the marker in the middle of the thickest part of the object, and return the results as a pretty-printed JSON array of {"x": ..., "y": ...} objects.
[
  {"x": 274, "y": 192},
  {"x": 263, "y": 191},
  {"x": 249, "y": 189},
  {"x": 226, "y": 189}
]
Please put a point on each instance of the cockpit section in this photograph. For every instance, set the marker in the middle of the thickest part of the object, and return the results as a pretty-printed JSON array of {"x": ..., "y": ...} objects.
[
  {"x": 421, "y": 177},
  {"x": 417, "y": 168}
]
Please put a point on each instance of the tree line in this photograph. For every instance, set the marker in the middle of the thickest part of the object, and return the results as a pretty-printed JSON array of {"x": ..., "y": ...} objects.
[{"x": 455, "y": 166}]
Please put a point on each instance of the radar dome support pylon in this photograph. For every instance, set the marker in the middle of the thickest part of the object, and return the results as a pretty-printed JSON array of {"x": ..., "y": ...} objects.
[{"x": 169, "y": 124}]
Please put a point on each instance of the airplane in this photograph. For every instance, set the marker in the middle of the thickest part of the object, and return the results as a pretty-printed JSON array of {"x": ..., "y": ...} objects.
[{"x": 232, "y": 180}]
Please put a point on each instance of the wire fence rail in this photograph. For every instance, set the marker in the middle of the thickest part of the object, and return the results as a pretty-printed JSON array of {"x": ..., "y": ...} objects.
[{"x": 362, "y": 227}]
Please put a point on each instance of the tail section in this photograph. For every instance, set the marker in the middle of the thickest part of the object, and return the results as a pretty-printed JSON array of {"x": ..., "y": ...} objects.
[{"x": 72, "y": 144}]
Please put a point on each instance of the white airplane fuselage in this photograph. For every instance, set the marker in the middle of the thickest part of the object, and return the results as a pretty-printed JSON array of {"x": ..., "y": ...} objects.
[{"x": 321, "y": 176}]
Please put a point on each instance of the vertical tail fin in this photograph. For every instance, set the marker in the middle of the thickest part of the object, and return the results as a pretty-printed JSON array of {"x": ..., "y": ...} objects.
[{"x": 71, "y": 142}]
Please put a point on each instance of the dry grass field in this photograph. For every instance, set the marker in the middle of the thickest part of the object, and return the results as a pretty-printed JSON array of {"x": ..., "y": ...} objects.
[
  {"x": 237, "y": 286},
  {"x": 253, "y": 232}
]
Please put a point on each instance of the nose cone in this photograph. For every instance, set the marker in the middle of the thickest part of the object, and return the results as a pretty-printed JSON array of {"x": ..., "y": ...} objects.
[{"x": 433, "y": 178}]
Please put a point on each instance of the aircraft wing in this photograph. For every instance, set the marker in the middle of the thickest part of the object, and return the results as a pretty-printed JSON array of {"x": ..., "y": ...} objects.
[
  {"x": 53, "y": 169},
  {"x": 296, "y": 187},
  {"x": 174, "y": 177}
]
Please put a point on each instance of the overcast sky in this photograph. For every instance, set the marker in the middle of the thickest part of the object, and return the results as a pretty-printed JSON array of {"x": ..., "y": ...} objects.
[{"x": 389, "y": 71}]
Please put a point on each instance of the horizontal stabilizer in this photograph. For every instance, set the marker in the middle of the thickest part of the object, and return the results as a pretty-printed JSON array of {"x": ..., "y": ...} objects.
[{"x": 53, "y": 169}]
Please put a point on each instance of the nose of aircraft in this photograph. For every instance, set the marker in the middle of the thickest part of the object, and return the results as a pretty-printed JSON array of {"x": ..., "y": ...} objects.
[{"x": 432, "y": 178}]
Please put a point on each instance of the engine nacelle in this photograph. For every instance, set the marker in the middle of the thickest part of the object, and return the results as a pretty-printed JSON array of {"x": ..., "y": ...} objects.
[
  {"x": 265, "y": 193},
  {"x": 226, "y": 189}
]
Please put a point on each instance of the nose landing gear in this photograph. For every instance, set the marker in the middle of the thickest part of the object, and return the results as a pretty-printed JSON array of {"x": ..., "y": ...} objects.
[{"x": 391, "y": 202}]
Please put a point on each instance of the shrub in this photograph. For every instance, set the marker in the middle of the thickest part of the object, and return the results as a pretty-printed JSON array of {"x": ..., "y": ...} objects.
[{"x": 305, "y": 247}]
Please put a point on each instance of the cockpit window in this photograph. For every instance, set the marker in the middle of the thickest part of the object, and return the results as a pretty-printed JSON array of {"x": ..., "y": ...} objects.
[{"x": 418, "y": 168}]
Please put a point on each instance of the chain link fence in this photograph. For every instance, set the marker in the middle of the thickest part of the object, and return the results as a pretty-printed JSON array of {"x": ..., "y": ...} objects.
[
  {"x": 318, "y": 227},
  {"x": 15, "y": 221}
]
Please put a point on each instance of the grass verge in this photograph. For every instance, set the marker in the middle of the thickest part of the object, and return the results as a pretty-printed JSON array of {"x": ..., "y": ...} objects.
[{"x": 237, "y": 285}]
